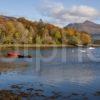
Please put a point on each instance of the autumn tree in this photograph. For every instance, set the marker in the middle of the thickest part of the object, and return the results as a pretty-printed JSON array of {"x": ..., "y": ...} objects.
[{"x": 85, "y": 38}]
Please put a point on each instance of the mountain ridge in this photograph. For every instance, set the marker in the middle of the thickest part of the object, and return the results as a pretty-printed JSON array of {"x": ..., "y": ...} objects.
[{"x": 87, "y": 26}]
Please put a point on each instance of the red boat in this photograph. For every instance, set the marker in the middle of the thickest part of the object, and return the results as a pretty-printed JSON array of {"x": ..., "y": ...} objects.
[
  {"x": 17, "y": 55},
  {"x": 13, "y": 54}
]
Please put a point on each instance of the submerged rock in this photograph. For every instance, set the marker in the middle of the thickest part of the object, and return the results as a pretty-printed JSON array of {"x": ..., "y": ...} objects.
[{"x": 97, "y": 93}]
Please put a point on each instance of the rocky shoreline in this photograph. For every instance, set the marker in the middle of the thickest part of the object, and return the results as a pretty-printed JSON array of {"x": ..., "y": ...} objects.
[{"x": 16, "y": 93}]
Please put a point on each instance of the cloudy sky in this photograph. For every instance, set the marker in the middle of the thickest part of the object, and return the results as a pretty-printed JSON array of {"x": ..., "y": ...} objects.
[{"x": 59, "y": 12}]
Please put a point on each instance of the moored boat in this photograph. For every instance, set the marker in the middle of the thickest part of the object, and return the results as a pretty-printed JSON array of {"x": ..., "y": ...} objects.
[
  {"x": 13, "y": 54},
  {"x": 17, "y": 55}
]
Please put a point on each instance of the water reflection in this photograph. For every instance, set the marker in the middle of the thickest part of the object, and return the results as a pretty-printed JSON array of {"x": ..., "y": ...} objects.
[
  {"x": 71, "y": 71},
  {"x": 56, "y": 74}
]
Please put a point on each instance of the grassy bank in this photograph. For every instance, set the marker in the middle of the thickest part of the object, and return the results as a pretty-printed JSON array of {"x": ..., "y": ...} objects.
[
  {"x": 33, "y": 46},
  {"x": 42, "y": 46}
]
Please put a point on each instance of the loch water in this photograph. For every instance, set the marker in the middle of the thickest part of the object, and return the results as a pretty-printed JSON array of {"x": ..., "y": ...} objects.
[{"x": 66, "y": 70}]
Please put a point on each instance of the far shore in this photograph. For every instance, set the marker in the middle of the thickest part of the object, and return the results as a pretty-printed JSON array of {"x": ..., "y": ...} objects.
[
  {"x": 33, "y": 45},
  {"x": 43, "y": 46}
]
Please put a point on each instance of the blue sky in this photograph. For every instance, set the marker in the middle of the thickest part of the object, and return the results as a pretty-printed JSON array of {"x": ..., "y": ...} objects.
[{"x": 59, "y": 12}]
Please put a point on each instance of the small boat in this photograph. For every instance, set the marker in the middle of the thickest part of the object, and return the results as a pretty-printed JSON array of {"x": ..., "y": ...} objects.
[
  {"x": 22, "y": 56},
  {"x": 91, "y": 48},
  {"x": 17, "y": 55},
  {"x": 12, "y": 54},
  {"x": 82, "y": 51}
]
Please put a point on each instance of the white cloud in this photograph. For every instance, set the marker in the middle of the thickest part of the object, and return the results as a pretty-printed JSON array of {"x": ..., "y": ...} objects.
[
  {"x": 61, "y": 15},
  {"x": 85, "y": 11}
]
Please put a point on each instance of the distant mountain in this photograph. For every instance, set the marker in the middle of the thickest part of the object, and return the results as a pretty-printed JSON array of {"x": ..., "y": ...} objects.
[{"x": 87, "y": 26}]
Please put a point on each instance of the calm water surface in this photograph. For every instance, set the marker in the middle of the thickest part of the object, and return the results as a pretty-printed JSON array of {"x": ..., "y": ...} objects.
[{"x": 71, "y": 70}]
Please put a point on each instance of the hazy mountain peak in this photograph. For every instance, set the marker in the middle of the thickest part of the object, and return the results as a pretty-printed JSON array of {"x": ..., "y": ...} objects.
[
  {"x": 87, "y": 26},
  {"x": 87, "y": 22}
]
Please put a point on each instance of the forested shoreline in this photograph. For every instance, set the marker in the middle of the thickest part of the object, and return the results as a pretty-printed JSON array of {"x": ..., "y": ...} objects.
[{"x": 22, "y": 31}]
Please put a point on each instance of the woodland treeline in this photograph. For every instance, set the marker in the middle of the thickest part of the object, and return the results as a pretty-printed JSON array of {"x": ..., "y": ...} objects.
[{"x": 23, "y": 31}]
